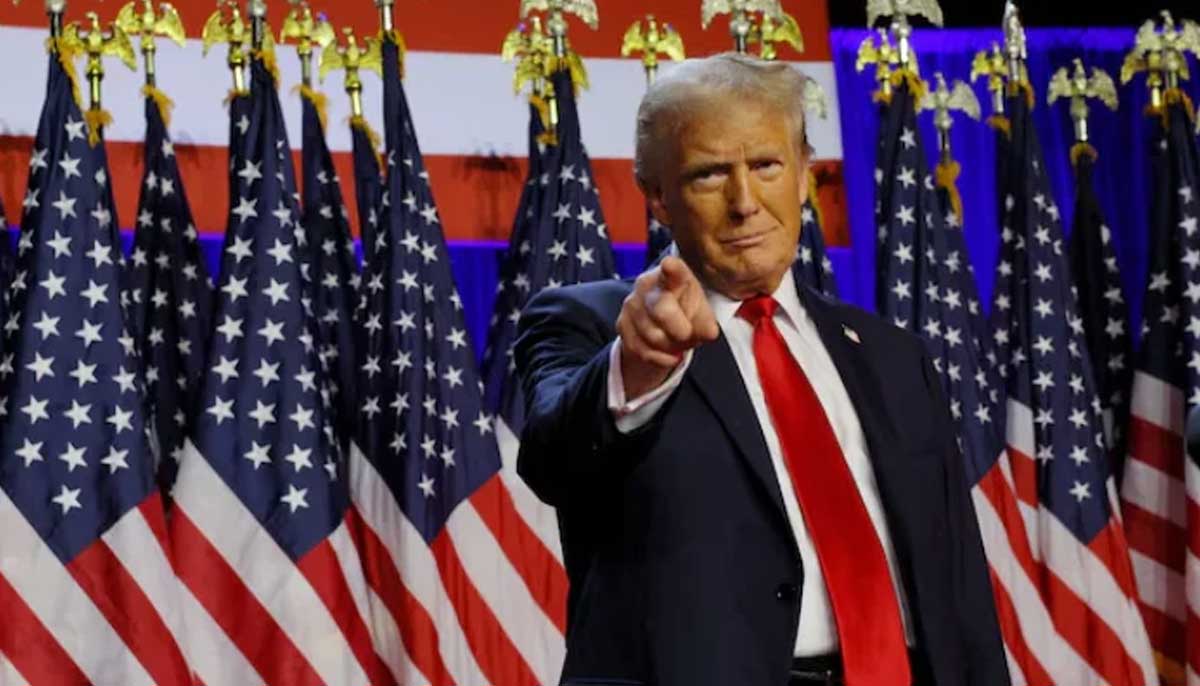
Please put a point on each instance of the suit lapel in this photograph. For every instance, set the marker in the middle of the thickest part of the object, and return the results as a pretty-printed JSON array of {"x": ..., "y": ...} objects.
[
  {"x": 849, "y": 353},
  {"x": 716, "y": 376}
]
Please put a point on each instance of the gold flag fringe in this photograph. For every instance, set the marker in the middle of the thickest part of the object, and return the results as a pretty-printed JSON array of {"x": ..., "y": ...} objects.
[
  {"x": 916, "y": 86},
  {"x": 269, "y": 61},
  {"x": 96, "y": 121},
  {"x": 165, "y": 104},
  {"x": 946, "y": 176},
  {"x": 548, "y": 136},
  {"x": 1022, "y": 87},
  {"x": 363, "y": 125},
  {"x": 318, "y": 100},
  {"x": 66, "y": 57},
  {"x": 401, "y": 47},
  {"x": 1080, "y": 150},
  {"x": 1172, "y": 96},
  {"x": 1000, "y": 123}
]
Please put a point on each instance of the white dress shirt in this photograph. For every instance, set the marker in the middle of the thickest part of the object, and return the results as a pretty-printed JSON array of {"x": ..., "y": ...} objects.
[{"x": 817, "y": 634}]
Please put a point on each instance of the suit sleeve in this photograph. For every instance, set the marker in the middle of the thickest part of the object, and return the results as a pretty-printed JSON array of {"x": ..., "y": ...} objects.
[
  {"x": 974, "y": 601},
  {"x": 570, "y": 437}
]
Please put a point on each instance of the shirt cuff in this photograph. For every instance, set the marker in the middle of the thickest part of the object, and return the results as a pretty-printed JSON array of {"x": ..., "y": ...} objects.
[{"x": 631, "y": 415}]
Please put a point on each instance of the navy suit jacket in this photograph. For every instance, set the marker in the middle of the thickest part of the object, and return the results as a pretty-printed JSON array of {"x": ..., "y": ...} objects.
[{"x": 683, "y": 568}]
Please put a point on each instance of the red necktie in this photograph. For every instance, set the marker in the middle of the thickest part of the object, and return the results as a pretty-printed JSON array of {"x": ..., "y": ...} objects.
[{"x": 856, "y": 572}]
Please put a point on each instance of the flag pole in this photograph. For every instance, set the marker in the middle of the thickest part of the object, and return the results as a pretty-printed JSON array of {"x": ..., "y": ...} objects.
[
  {"x": 55, "y": 10},
  {"x": 387, "y": 21},
  {"x": 257, "y": 9}
]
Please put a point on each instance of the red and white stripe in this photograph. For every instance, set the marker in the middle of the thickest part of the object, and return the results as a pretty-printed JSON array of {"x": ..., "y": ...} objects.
[
  {"x": 1160, "y": 497},
  {"x": 1068, "y": 611},
  {"x": 109, "y": 616},
  {"x": 471, "y": 125},
  {"x": 1025, "y": 624},
  {"x": 257, "y": 616},
  {"x": 482, "y": 604},
  {"x": 540, "y": 517}
]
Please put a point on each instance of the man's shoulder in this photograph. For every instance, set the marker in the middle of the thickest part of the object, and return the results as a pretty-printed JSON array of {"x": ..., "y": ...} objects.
[
  {"x": 868, "y": 327},
  {"x": 601, "y": 299},
  {"x": 593, "y": 305}
]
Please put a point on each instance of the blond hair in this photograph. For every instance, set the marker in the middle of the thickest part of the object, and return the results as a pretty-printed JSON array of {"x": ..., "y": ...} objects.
[{"x": 730, "y": 77}]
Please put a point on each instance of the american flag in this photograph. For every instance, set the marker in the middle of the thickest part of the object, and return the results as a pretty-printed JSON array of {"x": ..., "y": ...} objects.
[
  {"x": 6, "y": 262},
  {"x": 977, "y": 323},
  {"x": 658, "y": 238},
  {"x": 332, "y": 266},
  {"x": 1161, "y": 490},
  {"x": 87, "y": 590},
  {"x": 502, "y": 397},
  {"x": 930, "y": 285},
  {"x": 559, "y": 238},
  {"x": 812, "y": 265},
  {"x": 1076, "y": 557},
  {"x": 931, "y": 291},
  {"x": 1102, "y": 304},
  {"x": 367, "y": 184},
  {"x": 907, "y": 219},
  {"x": 569, "y": 243},
  {"x": 274, "y": 587},
  {"x": 457, "y": 576},
  {"x": 171, "y": 296}
]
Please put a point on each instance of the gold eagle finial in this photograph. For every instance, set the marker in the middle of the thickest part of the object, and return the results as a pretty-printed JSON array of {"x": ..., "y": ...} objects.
[
  {"x": 351, "y": 58},
  {"x": 306, "y": 29},
  {"x": 771, "y": 30},
  {"x": 148, "y": 24},
  {"x": 1078, "y": 86},
  {"x": 651, "y": 39},
  {"x": 741, "y": 21}
]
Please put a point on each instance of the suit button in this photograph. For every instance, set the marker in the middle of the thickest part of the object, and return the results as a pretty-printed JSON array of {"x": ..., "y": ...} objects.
[{"x": 785, "y": 592}]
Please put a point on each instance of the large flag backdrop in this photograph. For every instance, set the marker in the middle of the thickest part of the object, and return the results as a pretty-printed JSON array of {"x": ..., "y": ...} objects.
[{"x": 473, "y": 126}]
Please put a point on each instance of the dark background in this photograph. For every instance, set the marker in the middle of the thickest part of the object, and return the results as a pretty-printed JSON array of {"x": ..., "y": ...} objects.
[{"x": 852, "y": 13}]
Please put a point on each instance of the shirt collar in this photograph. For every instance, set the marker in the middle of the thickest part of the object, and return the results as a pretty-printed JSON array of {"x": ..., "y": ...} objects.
[{"x": 725, "y": 308}]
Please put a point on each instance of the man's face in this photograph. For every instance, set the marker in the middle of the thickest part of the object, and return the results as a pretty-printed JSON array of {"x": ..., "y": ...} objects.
[{"x": 732, "y": 190}]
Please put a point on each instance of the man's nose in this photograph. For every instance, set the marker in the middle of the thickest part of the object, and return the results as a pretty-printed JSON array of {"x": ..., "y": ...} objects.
[{"x": 743, "y": 200}]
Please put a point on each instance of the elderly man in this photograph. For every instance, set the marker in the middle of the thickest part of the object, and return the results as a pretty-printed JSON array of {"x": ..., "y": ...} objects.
[{"x": 756, "y": 486}]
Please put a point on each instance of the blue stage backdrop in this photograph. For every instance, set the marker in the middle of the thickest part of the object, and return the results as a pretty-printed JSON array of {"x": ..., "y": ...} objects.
[
  {"x": 1122, "y": 138},
  {"x": 1122, "y": 174}
]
